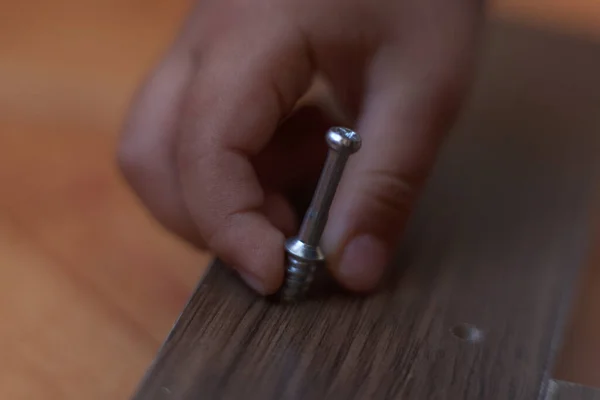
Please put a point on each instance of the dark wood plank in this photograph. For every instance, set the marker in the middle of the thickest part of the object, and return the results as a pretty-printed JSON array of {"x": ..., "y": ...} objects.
[
  {"x": 479, "y": 291},
  {"x": 561, "y": 390}
]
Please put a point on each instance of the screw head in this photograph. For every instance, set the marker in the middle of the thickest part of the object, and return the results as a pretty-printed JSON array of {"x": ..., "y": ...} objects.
[{"x": 343, "y": 140}]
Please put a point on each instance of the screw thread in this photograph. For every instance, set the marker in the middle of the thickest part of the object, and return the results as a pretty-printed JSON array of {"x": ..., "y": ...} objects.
[{"x": 299, "y": 275}]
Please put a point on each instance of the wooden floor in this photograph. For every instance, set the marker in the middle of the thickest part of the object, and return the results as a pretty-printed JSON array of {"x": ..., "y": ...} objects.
[{"x": 89, "y": 284}]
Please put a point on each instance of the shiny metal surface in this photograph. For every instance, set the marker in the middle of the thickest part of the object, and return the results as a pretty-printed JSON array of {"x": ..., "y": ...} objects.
[{"x": 303, "y": 252}]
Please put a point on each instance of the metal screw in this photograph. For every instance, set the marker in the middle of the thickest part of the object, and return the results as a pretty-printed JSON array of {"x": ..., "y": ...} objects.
[{"x": 303, "y": 252}]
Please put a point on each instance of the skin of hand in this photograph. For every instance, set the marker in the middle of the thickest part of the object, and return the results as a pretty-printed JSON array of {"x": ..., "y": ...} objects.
[{"x": 218, "y": 149}]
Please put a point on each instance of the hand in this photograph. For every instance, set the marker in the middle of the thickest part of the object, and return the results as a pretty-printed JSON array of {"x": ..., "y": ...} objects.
[{"x": 215, "y": 145}]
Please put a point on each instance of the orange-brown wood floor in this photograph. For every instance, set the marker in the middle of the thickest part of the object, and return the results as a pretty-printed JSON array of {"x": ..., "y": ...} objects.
[{"x": 89, "y": 284}]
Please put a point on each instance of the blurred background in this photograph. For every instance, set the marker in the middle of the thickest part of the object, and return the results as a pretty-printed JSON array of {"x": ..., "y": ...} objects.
[{"x": 89, "y": 284}]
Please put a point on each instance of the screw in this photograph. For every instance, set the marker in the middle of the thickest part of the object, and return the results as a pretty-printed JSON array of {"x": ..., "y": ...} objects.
[{"x": 303, "y": 251}]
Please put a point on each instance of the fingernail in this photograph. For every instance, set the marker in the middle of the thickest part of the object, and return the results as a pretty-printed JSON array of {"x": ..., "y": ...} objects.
[
  {"x": 363, "y": 262},
  {"x": 252, "y": 281}
]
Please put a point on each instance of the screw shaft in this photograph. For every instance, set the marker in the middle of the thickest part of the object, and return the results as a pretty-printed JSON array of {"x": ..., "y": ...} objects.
[
  {"x": 303, "y": 252},
  {"x": 316, "y": 217}
]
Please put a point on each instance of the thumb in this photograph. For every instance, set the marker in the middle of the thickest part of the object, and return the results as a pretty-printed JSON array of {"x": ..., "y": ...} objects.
[{"x": 402, "y": 127}]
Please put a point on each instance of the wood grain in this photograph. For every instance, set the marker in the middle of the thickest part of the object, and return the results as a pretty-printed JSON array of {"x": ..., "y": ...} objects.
[{"x": 477, "y": 297}]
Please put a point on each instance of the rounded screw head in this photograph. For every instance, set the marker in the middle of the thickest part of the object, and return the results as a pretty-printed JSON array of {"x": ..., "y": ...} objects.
[{"x": 343, "y": 140}]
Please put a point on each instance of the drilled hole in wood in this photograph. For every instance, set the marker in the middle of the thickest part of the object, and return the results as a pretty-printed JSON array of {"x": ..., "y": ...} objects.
[{"x": 467, "y": 332}]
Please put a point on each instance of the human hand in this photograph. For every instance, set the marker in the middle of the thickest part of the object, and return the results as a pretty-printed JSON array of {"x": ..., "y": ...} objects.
[{"x": 206, "y": 150}]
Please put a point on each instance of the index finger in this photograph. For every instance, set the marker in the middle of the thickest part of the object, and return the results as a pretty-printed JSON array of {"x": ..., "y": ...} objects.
[{"x": 234, "y": 105}]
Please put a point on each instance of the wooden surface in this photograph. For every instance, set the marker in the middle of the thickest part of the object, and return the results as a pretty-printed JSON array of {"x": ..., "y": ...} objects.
[
  {"x": 89, "y": 285},
  {"x": 477, "y": 300},
  {"x": 561, "y": 390}
]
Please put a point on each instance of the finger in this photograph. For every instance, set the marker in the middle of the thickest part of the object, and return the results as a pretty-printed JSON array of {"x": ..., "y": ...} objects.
[
  {"x": 403, "y": 124},
  {"x": 232, "y": 110},
  {"x": 145, "y": 153}
]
